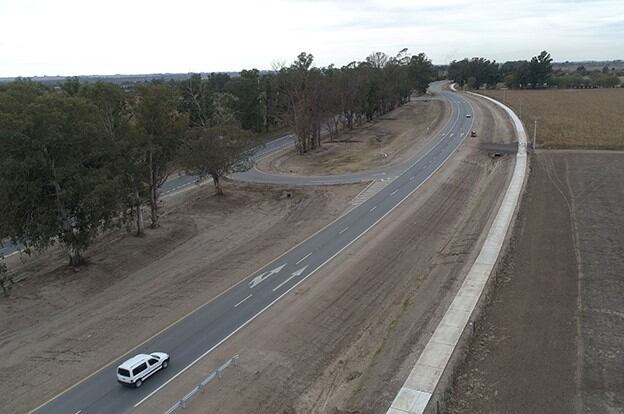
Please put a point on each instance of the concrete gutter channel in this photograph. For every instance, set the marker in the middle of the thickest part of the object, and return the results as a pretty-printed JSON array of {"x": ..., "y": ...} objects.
[{"x": 424, "y": 389}]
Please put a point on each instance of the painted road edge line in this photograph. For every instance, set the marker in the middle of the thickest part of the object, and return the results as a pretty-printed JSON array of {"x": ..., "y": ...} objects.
[
  {"x": 416, "y": 392},
  {"x": 306, "y": 276},
  {"x": 247, "y": 278}
]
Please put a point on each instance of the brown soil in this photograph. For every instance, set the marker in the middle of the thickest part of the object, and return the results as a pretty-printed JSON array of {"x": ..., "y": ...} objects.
[
  {"x": 59, "y": 325},
  {"x": 572, "y": 118},
  {"x": 389, "y": 140},
  {"x": 345, "y": 340},
  {"x": 550, "y": 341}
]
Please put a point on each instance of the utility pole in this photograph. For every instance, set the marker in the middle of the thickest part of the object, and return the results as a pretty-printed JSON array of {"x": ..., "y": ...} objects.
[{"x": 534, "y": 133}]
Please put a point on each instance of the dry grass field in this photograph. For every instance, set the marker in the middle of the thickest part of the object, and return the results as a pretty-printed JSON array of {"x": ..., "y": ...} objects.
[{"x": 573, "y": 118}]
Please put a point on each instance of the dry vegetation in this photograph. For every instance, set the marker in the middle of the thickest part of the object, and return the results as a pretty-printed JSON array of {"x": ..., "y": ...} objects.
[{"x": 575, "y": 118}]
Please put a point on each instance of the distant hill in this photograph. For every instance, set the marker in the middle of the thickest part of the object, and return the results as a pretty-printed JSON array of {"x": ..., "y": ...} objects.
[
  {"x": 122, "y": 79},
  {"x": 590, "y": 65}
]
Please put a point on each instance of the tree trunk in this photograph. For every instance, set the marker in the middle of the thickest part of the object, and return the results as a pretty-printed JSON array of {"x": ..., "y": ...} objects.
[
  {"x": 217, "y": 184},
  {"x": 75, "y": 257},
  {"x": 153, "y": 195},
  {"x": 140, "y": 226}
]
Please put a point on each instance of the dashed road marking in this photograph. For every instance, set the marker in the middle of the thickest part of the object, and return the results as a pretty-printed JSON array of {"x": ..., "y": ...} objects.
[
  {"x": 303, "y": 258},
  {"x": 236, "y": 306}
]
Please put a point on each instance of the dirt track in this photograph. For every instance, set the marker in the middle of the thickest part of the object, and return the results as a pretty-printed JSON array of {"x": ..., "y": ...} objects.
[
  {"x": 345, "y": 340},
  {"x": 551, "y": 339}
]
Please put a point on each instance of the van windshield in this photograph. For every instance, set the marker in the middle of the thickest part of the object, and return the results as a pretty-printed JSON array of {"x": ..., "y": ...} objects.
[{"x": 123, "y": 372}]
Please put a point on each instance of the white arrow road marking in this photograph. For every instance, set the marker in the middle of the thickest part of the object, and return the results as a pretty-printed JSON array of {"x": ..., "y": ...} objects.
[
  {"x": 296, "y": 273},
  {"x": 263, "y": 276},
  {"x": 394, "y": 192},
  {"x": 372, "y": 209}
]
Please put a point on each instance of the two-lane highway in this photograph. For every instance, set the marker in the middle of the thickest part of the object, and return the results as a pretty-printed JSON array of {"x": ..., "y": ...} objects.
[{"x": 198, "y": 334}]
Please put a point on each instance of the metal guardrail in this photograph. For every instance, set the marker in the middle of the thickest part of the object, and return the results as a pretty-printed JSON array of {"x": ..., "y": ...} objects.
[{"x": 217, "y": 373}]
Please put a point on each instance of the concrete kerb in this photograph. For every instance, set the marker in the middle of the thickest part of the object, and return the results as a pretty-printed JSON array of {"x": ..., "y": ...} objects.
[{"x": 423, "y": 391}]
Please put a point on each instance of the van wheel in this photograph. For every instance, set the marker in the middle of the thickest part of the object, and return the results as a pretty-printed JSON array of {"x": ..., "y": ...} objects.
[
  {"x": 165, "y": 364},
  {"x": 138, "y": 383}
]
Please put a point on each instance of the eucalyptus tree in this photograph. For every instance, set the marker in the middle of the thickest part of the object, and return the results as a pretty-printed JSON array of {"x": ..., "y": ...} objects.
[
  {"x": 297, "y": 86},
  {"x": 196, "y": 100},
  {"x": 127, "y": 143},
  {"x": 157, "y": 118},
  {"x": 216, "y": 152},
  {"x": 55, "y": 175},
  {"x": 420, "y": 72},
  {"x": 250, "y": 103}
]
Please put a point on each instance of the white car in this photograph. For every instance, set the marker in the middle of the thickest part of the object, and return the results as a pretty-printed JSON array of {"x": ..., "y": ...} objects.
[
  {"x": 138, "y": 368},
  {"x": 468, "y": 116}
]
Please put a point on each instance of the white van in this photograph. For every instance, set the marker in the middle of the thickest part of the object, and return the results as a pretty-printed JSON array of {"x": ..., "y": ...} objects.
[{"x": 138, "y": 368}]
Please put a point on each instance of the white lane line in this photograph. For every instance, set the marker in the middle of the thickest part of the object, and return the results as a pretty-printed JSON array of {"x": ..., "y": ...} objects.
[
  {"x": 236, "y": 306},
  {"x": 372, "y": 209},
  {"x": 394, "y": 192},
  {"x": 343, "y": 230},
  {"x": 303, "y": 258},
  {"x": 412, "y": 177},
  {"x": 298, "y": 282}
]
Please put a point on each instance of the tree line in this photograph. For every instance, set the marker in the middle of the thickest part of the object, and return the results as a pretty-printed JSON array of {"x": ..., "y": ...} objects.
[
  {"x": 479, "y": 71},
  {"x": 341, "y": 98},
  {"x": 82, "y": 158},
  {"x": 522, "y": 74}
]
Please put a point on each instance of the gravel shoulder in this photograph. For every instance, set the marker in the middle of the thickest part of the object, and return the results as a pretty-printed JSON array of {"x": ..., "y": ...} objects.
[{"x": 550, "y": 340}]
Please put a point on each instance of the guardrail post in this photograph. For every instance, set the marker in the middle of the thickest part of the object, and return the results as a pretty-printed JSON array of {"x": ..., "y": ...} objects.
[{"x": 200, "y": 387}]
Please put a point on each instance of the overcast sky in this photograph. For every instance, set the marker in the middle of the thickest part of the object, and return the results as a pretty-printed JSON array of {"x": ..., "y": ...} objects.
[{"x": 80, "y": 37}]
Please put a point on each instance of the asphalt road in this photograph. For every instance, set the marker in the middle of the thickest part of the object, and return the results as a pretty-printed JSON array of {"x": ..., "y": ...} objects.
[{"x": 195, "y": 336}]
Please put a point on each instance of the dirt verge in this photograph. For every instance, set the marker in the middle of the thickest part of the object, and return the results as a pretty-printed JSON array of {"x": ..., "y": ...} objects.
[
  {"x": 59, "y": 325},
  {"x": 550, "y": 340},
  {"x": 388, "y": 140},
  {"x": 345, "y": 340}
]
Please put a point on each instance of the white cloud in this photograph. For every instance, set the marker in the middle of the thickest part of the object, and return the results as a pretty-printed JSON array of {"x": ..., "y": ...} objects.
[{"x": 69, "y": 37}]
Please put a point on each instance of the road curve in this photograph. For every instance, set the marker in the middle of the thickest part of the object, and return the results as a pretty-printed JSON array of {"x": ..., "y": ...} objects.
[{"x": 196, "y": 335}]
